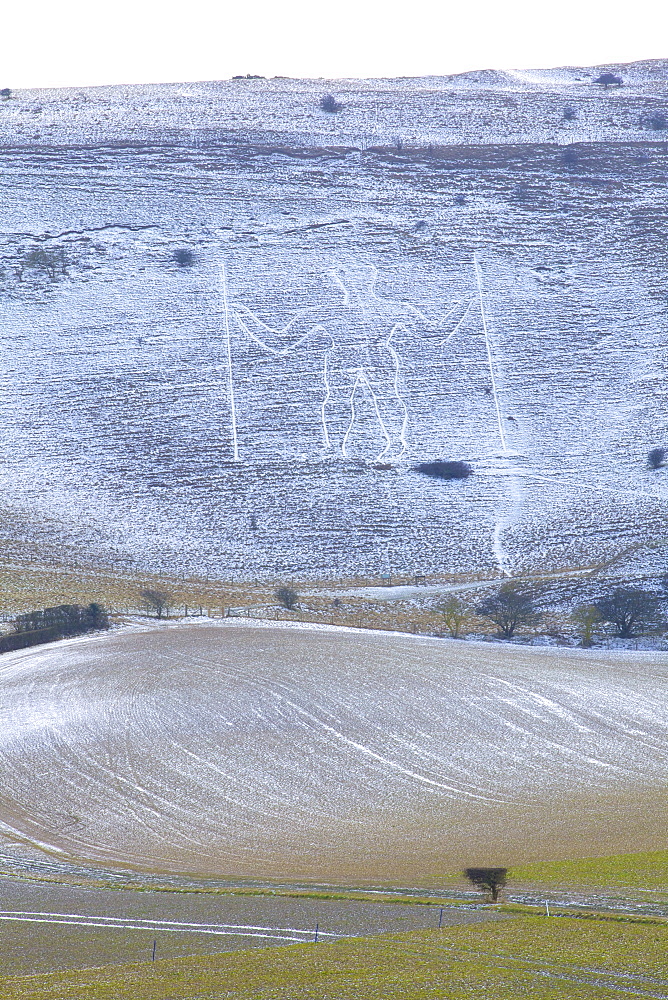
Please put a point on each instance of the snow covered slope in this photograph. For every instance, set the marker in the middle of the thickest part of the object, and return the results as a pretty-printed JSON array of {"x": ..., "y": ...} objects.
[
  {"x": 469, "y": 274},
  {"x": 330, "y": 754}
]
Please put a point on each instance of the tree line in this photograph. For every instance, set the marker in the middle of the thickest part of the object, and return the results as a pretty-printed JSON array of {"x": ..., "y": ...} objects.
[
  {"x": 628, "y": 611},
  {"x": 47, "y": 624}
]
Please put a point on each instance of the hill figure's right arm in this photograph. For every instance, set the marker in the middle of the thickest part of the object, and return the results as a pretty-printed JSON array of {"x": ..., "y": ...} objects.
[{"x": 281, "y": 341}]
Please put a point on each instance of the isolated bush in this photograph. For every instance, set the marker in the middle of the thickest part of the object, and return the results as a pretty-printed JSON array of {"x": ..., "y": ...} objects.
[
  {"x": 454, "y": 616},
  {"x": 97, "y": 615},
  {"x": 509, "y": 608},
  {"x": 460, "y": 199},
  {"x": 630, "y": 611},
  {"x": 444, "y": 470},
  {"x": 184, "y": 258},
  {"x": 656, "y": 120},
  {"x": 329, "y": 103},
  {"x": 51, "y": 261},
  {"x": 489, "y": 879},
  {"x": 586, "y": 617},
  {"x": 570, "y": 114},
  {"x": 158, "y": 601},
  {"x": 5, "y": 93},
  {"x": 286, "y": 597},
  {"x": 609, "y": 80},
  {"x": 656, "y": 458}
]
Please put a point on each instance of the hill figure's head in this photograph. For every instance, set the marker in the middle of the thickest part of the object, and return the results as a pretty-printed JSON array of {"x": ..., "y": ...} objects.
[{"x": 356, "y": 281}]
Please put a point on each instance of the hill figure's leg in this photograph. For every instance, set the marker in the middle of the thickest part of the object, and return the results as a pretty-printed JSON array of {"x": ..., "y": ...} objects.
[
  {"x": 344, "y": 443},
  {"x": 341, "y": 380},
  {"x": 383, "y": 378}
]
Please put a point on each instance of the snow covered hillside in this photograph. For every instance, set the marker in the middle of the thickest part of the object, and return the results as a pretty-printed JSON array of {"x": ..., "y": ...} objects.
[{"x": 233, "y": 322}]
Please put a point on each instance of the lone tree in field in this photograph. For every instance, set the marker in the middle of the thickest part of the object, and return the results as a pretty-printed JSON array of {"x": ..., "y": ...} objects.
[
  {"x": 454, "y": 616},
  {"x": 508, "y": 609},
  {"x": 286, "y": 597},
  {"x": 490, "y": 880},
  {"x": 656, "y": 458},
  {"x": 630, "y": 611},
  {"x": 585, "y": 618},
  {"x": 158, "y": 601}
]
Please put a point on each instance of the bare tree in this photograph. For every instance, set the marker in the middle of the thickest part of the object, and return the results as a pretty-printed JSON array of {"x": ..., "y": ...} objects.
[
  {"x": 508, "y": 608},
  {"x": 287, "y": 597},
  {"x": 630, "y": 611},
  {"x": 585, "y": 618},
  {"x": 158, "y": 601},
  {"x": 491, "y": 880},
  {"x": 454, "y": 616}
]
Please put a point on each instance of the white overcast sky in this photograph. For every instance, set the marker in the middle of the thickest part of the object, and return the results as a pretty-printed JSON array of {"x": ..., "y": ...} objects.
[{"x": 88, "y": 42}]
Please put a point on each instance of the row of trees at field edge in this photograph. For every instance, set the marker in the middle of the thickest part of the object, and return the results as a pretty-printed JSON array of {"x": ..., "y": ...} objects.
[
  {"x": 47, "y": 624},
  {"x": 629, "y": 611}
]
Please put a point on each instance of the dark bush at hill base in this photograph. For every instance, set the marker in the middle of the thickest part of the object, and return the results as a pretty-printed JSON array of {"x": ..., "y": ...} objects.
[{"x": 444, "y": 470}]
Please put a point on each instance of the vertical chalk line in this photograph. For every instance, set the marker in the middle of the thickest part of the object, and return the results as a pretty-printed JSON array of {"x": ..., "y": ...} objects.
[
  {"x": 489, "y": 353},
  {"x": 233, "y": 414}
]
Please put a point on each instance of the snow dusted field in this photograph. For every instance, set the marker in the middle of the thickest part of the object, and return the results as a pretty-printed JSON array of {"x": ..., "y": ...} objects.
[
  {"x": 468, "y": 274},
  {"x": 281, "y": 752}
]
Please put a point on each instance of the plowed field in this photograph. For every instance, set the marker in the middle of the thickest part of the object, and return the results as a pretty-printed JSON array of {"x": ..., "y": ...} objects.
[{"x": 278, "y": 752}]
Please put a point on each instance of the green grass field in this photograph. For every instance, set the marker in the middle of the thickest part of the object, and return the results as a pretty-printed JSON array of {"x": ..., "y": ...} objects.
[
  {"x": 552, "y": 958},
  {"x": 647, "y": 870}
]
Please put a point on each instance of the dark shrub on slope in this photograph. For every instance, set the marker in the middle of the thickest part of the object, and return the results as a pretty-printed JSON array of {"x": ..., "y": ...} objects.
[
  {"x": 656, "y": 458},
  {"x": 444, "y": 470},
  {"x": 329, "y": 103}
]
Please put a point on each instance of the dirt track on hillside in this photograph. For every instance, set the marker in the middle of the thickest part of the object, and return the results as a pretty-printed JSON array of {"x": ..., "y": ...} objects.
[{"x": 251, "y": 751}]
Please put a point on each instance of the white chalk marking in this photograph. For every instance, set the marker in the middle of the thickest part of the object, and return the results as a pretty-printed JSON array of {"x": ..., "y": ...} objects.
[
  {"x": 489, "y": 353},
  {"x": 233, "y": 415}
]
